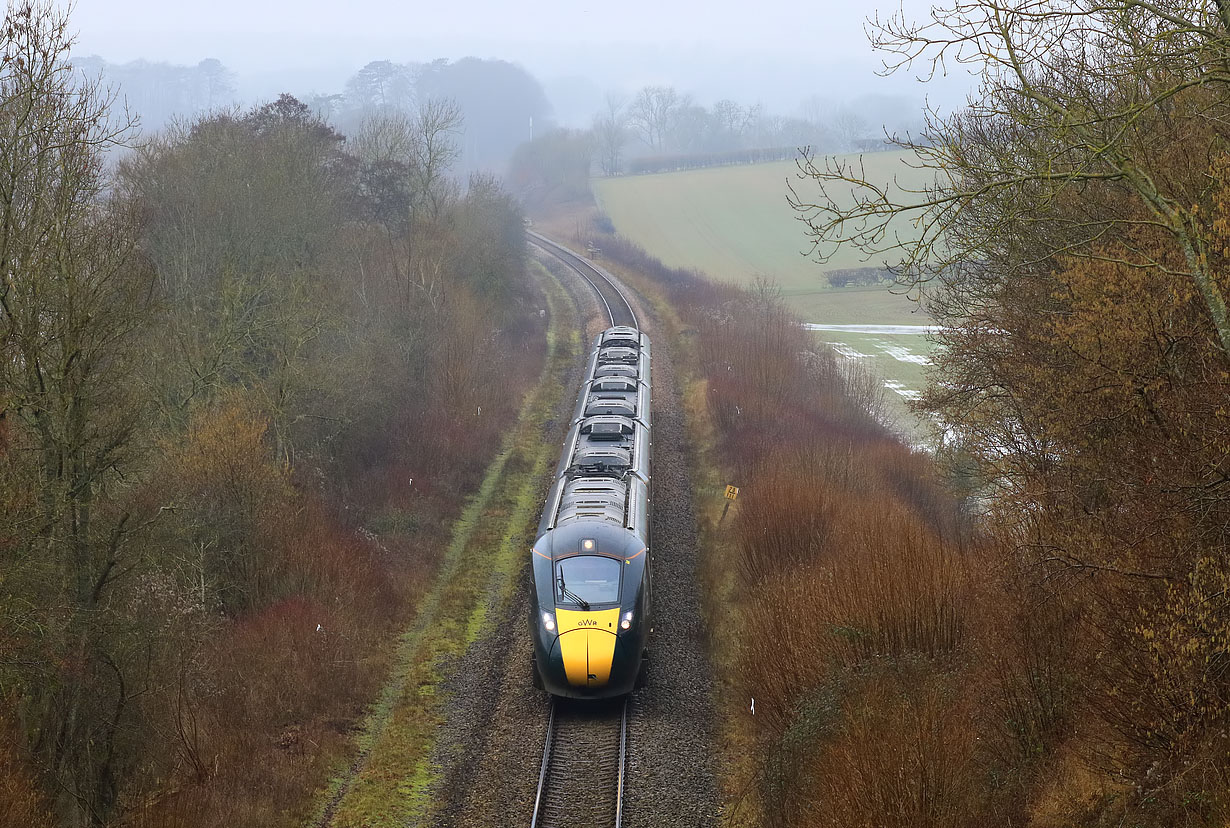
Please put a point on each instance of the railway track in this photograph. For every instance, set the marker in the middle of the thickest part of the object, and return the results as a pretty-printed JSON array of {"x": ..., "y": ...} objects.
[
  {"x": 618, "y": 308},
  {"x": 581, "y": 783}
]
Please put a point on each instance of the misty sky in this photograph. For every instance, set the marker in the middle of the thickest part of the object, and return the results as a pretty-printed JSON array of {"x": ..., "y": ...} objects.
[
  {"x": 833, "y": 27},
  {"x": 779, "y": 51}
]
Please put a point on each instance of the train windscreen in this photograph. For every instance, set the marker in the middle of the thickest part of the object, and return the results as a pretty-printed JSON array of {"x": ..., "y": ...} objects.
[{"x": 587, "y": 579}]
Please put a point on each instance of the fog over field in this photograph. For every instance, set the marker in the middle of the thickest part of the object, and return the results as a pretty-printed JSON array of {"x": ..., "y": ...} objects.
[{"x": 779, "y": 54}]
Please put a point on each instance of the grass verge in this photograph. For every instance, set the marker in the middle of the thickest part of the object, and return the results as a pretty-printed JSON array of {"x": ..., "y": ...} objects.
[{"x": 388, "y": 784}]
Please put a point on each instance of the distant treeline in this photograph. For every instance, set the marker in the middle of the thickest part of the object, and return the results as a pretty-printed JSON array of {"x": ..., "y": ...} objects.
[
  {"x": 695, "y": 160},
  {"x": 662, "y": 130},
  {"x": 497, "y": 100},
  {"x": 858, "y": 276},
  {"x": 157, "y": 92}
]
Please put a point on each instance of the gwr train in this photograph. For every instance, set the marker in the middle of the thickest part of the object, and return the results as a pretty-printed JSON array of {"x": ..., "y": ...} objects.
[{"x": 590, "y": 619}]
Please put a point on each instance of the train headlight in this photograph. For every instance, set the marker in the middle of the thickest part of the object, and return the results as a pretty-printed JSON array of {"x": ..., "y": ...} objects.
[
  {"x": 548, "y": 621},
  {"x": 626, "y": 621}
]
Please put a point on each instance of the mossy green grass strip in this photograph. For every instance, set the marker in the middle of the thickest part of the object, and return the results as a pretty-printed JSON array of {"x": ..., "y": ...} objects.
[{"x": 479, "y": 572}]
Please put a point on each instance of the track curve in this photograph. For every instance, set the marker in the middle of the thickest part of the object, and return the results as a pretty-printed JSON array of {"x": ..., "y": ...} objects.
[{"x": 618, "y": 308}]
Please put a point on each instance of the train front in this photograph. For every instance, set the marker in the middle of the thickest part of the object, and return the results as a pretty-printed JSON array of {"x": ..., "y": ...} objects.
[{"x": 590, "y": 616}]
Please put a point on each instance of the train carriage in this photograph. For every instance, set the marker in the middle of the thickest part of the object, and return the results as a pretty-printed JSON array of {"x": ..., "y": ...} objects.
[{"x": 591, "y": 560}]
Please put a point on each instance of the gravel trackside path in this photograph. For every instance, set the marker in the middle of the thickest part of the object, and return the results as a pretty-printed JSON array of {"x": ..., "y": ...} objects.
[
  {"x": 672, "y": 774},
  {"x": 489, "y": 750}
]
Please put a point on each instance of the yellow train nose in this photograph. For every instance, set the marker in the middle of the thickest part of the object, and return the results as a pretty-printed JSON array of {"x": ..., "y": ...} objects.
[{"x": 587, "y": 644}]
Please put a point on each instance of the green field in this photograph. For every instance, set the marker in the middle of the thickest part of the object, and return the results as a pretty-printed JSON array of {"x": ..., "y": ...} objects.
[{"x": 734, "y": 224}]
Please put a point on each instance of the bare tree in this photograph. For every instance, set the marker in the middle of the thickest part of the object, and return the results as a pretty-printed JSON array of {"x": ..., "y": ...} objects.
[
  {"x": 651, "y": 114},
  {"x": 1073, "y": 94},
  {"x": 732, "y": 124},
  {"x": 434, "y": 151},
  {"x": 410, "y": 160},
  {"x": 691, "y": 129},
  {"x": 69, "y": 304},
  {"x": 384, "y": 138},
  {"x": 815, "y": 108},
  {"x": 850, "y": 127},
  {"x": 218, "y": 83},
  {"x": 381, "y": 85},
  {"x": 611, "y": 131}
]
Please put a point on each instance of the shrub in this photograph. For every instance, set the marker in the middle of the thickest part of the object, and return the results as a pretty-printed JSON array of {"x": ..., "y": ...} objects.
[
  {"x": 853, "y": 597},
  {"x": 21, "y": 801}
]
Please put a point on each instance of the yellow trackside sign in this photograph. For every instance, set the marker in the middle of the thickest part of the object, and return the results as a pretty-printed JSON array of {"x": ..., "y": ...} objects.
[{"x": 732, "y": 492}]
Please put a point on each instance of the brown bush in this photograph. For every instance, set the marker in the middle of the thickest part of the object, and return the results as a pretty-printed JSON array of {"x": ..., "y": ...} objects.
[
  {"x": 878, "y": 586},
  {"x": 284, "y": 664},
  {"x": 224, "y": 486},
  {"x": 854, "y": 596},
  {"x": 901, "y": 756},
  {"x": 324, "y": 563},
  {"x": 22, "y": 804}
]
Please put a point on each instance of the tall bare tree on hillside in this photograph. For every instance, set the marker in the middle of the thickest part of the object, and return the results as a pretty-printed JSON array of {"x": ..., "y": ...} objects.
[
  {"x": 434, "y": 151},
  {"x": 407, "y": 171},
  {"x": 385, "y": 138},
  {"x": 849, "y": 127},
  {"x": 424, "y": 145},
  {"x": 70, "y": 301}
]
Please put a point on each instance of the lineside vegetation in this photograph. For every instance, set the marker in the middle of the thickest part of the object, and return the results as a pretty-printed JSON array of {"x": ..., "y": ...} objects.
[
  {"x": 246, "y": 378},
  {"x": 1074, "y": 246},
  {"x": 840, "y": 600},
  {"x": 1046, "y": 654}
]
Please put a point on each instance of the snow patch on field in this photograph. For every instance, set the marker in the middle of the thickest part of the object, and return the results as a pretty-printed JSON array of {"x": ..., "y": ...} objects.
[
  {"x": 902, "y": 354},
  {"x": 875, "y": 329},
  {"x": 893, "y": 385},
  {"x": 846, "y": 351}
]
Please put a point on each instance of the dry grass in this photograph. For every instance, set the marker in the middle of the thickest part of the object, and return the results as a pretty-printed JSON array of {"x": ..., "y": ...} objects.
[
  {"x": 854, "y": 606},
  {"x": 901, "y": 756}
]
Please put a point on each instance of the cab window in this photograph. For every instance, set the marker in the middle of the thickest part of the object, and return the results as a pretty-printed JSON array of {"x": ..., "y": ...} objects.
[{"x": 589, "y": 578}]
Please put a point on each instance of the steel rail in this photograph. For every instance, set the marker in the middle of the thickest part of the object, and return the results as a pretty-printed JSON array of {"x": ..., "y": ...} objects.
[
  {"x": 546, "y": 760},
  {"x": 623, "y": 757},
  {"x": 578, "y": 264},
  {"x": 548, "y": 751}
]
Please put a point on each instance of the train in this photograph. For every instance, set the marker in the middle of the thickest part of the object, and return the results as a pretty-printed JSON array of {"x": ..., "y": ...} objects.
[{"x": 590, "y": 617}]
